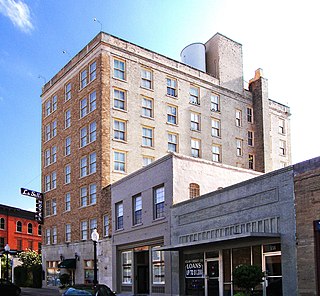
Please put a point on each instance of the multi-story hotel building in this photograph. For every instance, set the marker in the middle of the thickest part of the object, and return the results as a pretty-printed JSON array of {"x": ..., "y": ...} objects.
[{"x": 116, "y": 107}]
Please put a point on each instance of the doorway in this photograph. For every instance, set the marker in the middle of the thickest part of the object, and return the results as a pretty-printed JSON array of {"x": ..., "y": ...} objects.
[
  {"x": 142, "y": 272},
  {"x": 273, "y": 278},
  {"x": 212, "y": 277}
]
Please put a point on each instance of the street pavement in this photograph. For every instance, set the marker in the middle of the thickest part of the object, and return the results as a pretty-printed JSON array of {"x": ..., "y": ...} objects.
[{"x": 40, "y": 292}]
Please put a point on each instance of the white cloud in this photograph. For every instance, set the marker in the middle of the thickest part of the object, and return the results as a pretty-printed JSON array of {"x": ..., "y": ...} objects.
[{"x": 18, "y": 12}]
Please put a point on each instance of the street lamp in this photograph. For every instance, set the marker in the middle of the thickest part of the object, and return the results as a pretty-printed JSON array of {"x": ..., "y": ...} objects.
[
  {"x": 7, "y": 250},
  {"x": 95, "y": 238}
]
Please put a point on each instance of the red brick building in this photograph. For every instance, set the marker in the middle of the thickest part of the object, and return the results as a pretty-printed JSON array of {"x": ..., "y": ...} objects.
[{"x": 19, "y": 229}]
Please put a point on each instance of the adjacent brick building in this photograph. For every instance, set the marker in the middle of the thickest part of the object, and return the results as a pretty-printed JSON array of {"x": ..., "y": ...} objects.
[{"x": 116, "y": 107}]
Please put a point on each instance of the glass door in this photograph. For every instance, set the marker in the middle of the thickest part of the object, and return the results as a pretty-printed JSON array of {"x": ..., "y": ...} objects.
[
  {"x": 273, "y": 278},
  {"x": 212, "y": 277}
]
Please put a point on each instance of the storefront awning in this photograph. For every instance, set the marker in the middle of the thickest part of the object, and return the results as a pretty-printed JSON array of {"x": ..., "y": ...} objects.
[
  {"x": 68, "y": 263},
  {"x": 251, "y": 236}
]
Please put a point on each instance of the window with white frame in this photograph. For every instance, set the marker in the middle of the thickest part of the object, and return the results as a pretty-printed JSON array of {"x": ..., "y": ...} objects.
[
  {"x": 281, "y": 126},
  {"x": 239, "y": 145},
  {"x": 92, "y": 162},
  {"x": 48, "y": 236},
  {"x": 119, "y": 129},
  {"x": 92, "y": 193},
  {"x": 50, "y": 130},
  {"x": 216, "y": 153},
  {"x": 147, "y": 136},
  {"x": 83, "y": 107},
  {"x": 146, "y": 78},
  {"x": 251, "y": 161},
  {"x": 194, "y": 95},
  {"x": 2, "y": 223},
  {"x": 126, "y": 262},
  {"x": 48, "y": 107},
  {"x": 84, "y": 230},
  {"x": 83, "y": 166},
  {"x": 119, "y": 99},
  {"x": 88, "y": 137},
  {"x": 67, "y": 147},
  {"x": 119, "y": 69},
  {"x": 250, "y": 138},
  {"x": 54, "y": 128},
  {"x": 158, "y": 275},
  {"x": 147, "y": 107},
  {"x": 47, "y": 208},
  {"x": 249, "y": 115},
  {"x": 158, "y": 197},
  {"x": 146, "y": 160},
  {"x": 68, "y": 232},
  {"x": 67, "y": 202},
  {"x": 119, "y": 161},
  {"x": 137, "y": 210},
  {"x": 172, "y": 142},
  {"x": 88, "y": 164},
  {"x": 67, "y": 92},
  {"x": 67, "y": 174},
  {"x": 119, "y": 215},
  {"x": 93, "y": 101},
  {"x": 54, "y": 235},
  {"x": 47, "y": 157},
  {"x": 195, "y": 147},
  {"x": 53, "y": 154},
  {"x": 215, "y": 102},
  {"x": 30, "y": 228},
  {"x": 93, "y": 224},
  {"x": 92, "y": 71},
  {"x": 54, "y": 206},
  {"x": 195, "y": 121},
  {"x": 51, "y": 105},
  {"x": 83, "y": 78},
  {"x": 172, "y": 114},
  {"x": 54, "y": 102},
  {"x": 238, "y": 117},
  {"x": 282, "y": 146},
  {"x": 92, "y": 132},
  {"x": 83, "y": 196},
  {"x": 215, "y": 127},
  {"x": 47, "y": 183},
  {"x": 19, "y": 226},
  {"x": 67, "y": 118},
  {"x": 172, "y": 87},
  {"x": 106, "y": 225},
  {"x": 51, "y": 181}
]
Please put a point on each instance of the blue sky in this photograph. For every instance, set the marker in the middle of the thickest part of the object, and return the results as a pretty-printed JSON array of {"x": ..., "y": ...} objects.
[{"x": 281, "y": 37}]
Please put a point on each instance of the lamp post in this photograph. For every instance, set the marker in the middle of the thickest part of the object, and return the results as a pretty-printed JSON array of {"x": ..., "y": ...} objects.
[
  {"x": 95, "y": 238},
  {"x": 7, "y": 250}
]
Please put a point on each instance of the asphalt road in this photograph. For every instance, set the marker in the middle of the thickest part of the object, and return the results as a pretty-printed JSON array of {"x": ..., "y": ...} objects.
[{"x": 40, "y": 292}]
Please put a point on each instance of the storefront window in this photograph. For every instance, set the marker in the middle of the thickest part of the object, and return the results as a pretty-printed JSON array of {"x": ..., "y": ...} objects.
[
  {"x": 241, "y": 256},
  {"x": 194, "y": 274},
  {"x": 53, "y": 273},
  {"x": 88, "y": 271},
  {"x": 126, "y": 267},
  {"x": 158, "y": 267}
]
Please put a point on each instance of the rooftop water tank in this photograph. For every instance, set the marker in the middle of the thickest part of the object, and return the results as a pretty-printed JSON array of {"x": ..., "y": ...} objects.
[{"x": 194, "y": 55}]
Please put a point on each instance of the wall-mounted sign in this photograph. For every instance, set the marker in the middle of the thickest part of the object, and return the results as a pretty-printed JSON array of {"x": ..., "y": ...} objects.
[
  {"x": 31, "y": 193},
  {"x": 39, "y": 202},
  {"x": 194, "y": 268}
]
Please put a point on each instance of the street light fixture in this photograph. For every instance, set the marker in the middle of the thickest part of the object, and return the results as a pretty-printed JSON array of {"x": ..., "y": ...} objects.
[
  {"x": 95, "y": 239},
  {"x": 7, "y": 250}
]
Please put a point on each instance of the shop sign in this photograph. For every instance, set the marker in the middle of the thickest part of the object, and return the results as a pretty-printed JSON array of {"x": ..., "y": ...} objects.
[{"x": 194, "y": 268}]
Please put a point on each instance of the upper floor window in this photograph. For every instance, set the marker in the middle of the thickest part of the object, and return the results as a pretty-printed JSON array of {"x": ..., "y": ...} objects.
[
  {"x": 67, "y": 148},
  {"x": 51, "y": 105},
  {"x": 147, "y": 137},
  {"x": 119, "y": 161},
  {"x": 84, "y": 230},
  {"x": 194, "y": 97},
  {"x": 50, "y": 130},
  {"x": 215, "y": 127},
  {"x": 88, "y": 137},
  {"x": 19, "y": 226},
  {"x": 68, "y": 232},
  {"x": 119, "y": 99},
  {"x": 158, "y": 195},
  {"x": 93, "y": 71},
  {"x": 194, "y": 190},
  {"x": 87, "y": 106},
  {"x": 216, "y": 153},
  {"x": 147, "y": 107},
  {"x": 281, "y": 126},
  {"x": 88, "y": 164},
  {"x": 2, "y": 223},
  {"x": 251, "y": 162},
  {"x": 106, "y": 224},
  {"x": 67, "y": 119},
  {"x": 171, "y": 87},
  {"x": 119, "y": 215},
  {"x": 172, "y": 114},
  {"x": 119, "y": 69},
  {"x": 39, "y": 229},
  {"x": 83, "y": 78},
  {"x": 50, "y": 181},
  {"x": 54, "y": 206},
  {"x": 249, "y": 115},
  {"x": 239, "y": 144},
  {"x": 238, "y": 117},
  {"x": 119, "y": 130},
  {"x": 195, "y": 121},
  {"x": 67, "y": 202},
  {"x": 195, "y": 147},
  {"x": 30, "y": 228},
  {"x": 137, "y": 210},
  {"x": 215, "y": 103},
  {"x": 172, "y": 142},
  {"x": 250, "y": 138},
  {"x": 282, "y": 146},
  {"x": 146, "y": 160},
  {"x": 146, "y": 78},
  {"x": 48, "y": 236},
  {"x": 54, "y": 235},
  {"x": 67, "y": 174},
  {"x": 67, "y": 91}
]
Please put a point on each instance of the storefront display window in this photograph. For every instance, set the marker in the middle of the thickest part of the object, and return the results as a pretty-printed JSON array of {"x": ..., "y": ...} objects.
[
  {"x": 158, "y": 267},
  {"x": 88, "y": 271},
  {"x": 53, "y": 273},
  {"x": 126, "y": 267}
]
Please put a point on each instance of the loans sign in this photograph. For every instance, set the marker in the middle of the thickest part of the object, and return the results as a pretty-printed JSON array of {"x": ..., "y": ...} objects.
[{"x": 194, "y": 268}]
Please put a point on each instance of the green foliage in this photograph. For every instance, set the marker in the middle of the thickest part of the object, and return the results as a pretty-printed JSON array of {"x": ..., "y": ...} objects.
[
  {"x": 30, "y": 258},
  {"x": 239, "y": 294},
  {"x": 247, "y": 277}
]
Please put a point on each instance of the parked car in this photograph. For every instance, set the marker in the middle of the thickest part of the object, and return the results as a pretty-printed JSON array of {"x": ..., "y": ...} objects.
[
  {"x": 10, "y": 289},
  {"x": 98, "y": 290}
]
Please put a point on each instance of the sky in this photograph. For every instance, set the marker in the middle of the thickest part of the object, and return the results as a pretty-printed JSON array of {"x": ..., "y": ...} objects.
[{"x": 38, "y": 37}]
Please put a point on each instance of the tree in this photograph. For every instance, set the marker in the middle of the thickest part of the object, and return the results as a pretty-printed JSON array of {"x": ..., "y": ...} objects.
[
  {"x": 247, "y": 277},
  {"x": 30, "y": 258}
]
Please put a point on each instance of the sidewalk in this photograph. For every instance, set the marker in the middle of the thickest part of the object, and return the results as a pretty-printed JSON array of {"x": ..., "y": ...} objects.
[{"x": 52, "y": 291}]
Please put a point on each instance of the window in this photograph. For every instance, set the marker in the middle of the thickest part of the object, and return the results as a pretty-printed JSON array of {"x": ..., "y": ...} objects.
[
  {"x": 39, "y": 229},
  {"x": 67, "y": 92},
  {"x": 54, "y": 235},
  {"x": 216, "y": 153},
  {"x": 54, "y": 128},
  {"x": 172, "y": 142},
  {"x": 68, "y": 232},
  {"x": 93, "y": 71},
  {"x": 54, "y": 154},
  {"x": 251, "y": 162},
  {"x": 250, "y": 138},
  {"x": 86, "y": 138},
  {"x": 54, "y": 206},
  {"x": 83, "y": 78},
  {"x": 30, "y": 228},
  {"x": 92, "y": 101},
  {"x": 2, "y": 223},
  {"x": 281, "y": 126},
  {"x": 171, "y": 87},
  {"x": 106, "y": 225},
  {"x": 47, "y": 157},
  {"x": 51, "y": 105},
  {"x": 239, "y": 144},
  {"x": 54, "y": 103},
  {"x": 67, "y": 202},
  {"x": 50, "y": 130},
  {"x": 172, "y": 114},
  {"x": 119, "y": 130},
  {"x": 119, "y": 161},
  {"x": 92, "y": 194},
  {"x": 158, "y": 194},
  {"x": 238, "y": 117},
  {"x": 119, "y": 99},
  {"x": 119, "y": 69},
  {"x": 88, "y": 271},
  {"x": 194, "y": 190},
  {"x": 137, "y": 210},
  {"x": 215, "y": 127},
  {"x": 67, "y": 148},
  {"x": 195, "y": 121},
  {"x": 19, "y": 226},
  {"x": 194, "y": 95},
  {"x": 215, "y": 103},
  {"x": 93, "y": 224},
  {"x": 47, "y": 183},
  {"x": 147, "y": 107},
  {"x": 51, "y": 181},
  {"x": 48, "y": 208},
  {"x": 84, "y": 230},
  {"x": 126, "y": 260},
  {"x": 30, "y": 245},
  {"x": 146, "y": 78},
  {"x": 48, "y": 236},
  {"x": 48, "y": 107},
  {"x": 83, "y": 196},
  {"x": 88, "y": 164},
  {"x": 158, "y": 267},
  {"x": 54, "y": 180},
  {"x": 83, "y": 107},
  {"x": 119, "y": 215},
  {"x": 67, "y": 174},
  {"x": 147, "y": 160},
  {"x": 282, "y": 146},
  {"x": 249, "y": 115},
  {"x": 67, "y": 119},
  {"x": 195, "y": 147},
  {"x": 147, "y": 137},
  {"x": 92, "y": 131},
  {"x": 19, "y": 244}
]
